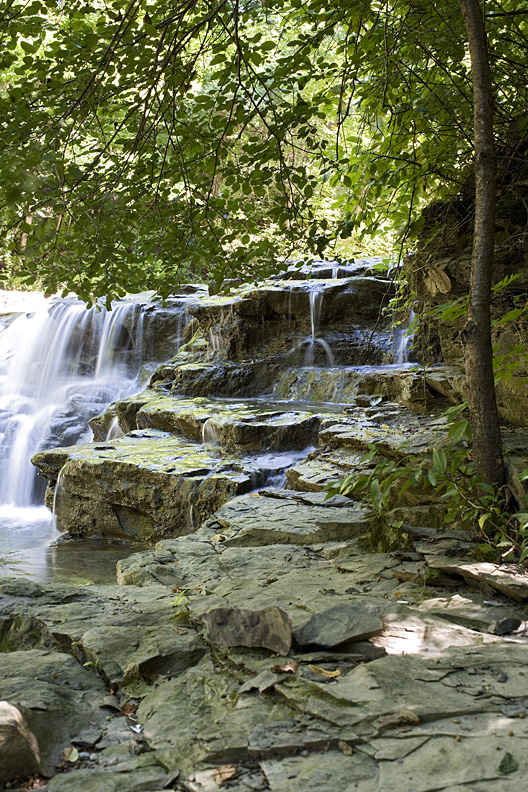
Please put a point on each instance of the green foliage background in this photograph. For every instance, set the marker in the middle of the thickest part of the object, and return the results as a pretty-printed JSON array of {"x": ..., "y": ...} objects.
[{"x": 146, "y": 143}]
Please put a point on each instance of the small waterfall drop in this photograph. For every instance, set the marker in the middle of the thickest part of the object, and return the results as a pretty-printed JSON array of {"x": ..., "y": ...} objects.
[
  {"x": 60, "y": 365},
  {"x": 316, "y": 302},
  {"x": 114, "y": 430},
  {"x": 210, "y": 433},
  {"x": 403, "y": 337}
]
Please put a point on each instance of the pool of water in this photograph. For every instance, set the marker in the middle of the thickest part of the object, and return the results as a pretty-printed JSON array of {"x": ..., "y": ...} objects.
[{"x": 30, "y": 546}]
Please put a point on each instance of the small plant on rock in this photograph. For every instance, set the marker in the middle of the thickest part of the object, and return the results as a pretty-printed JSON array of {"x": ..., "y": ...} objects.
[{"x": 499, "y": 519}]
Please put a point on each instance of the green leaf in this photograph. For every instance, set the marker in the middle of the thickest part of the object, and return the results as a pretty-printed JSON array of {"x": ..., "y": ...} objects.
[
  {"x": 375, "y": 493},
  {"x": 483, "y": 519},
  {"x": 439, "y": 461},
  {"x": 432, "y": 478},
  {"x": 458, "y": 430}
]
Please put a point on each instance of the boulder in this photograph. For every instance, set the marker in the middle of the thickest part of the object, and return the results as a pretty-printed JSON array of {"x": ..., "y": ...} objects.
[
  {"x": 269, "y": 628},
  {"x": 342, "y": 623},
  {"x": 140, "y": 488},
  {"x": 284, "y": 517}
]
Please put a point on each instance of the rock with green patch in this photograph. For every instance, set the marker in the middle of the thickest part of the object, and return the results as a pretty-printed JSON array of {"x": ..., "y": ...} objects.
[{"x": 141, "y": 487}]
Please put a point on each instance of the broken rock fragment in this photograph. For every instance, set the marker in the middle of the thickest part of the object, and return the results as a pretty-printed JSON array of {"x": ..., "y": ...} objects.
[
  {"x": 19, "y": 751},
  {"x": 344, "y": 622},
  {"x": 269, "y": 628}
]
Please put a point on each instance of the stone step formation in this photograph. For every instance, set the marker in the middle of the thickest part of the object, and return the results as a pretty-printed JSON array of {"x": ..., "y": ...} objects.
[
  {"x": 266, "y": 637},
  {"x": 219, "y": 418}
]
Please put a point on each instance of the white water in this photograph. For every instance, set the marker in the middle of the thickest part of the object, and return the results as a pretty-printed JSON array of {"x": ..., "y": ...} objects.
[
  {"x": 59, "y": 366},
  {"x": 403, "y": 338},
  {"x": 316, "y": 302}
]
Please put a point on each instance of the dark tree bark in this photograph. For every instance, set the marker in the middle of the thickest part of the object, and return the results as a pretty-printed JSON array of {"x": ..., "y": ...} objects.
[{"x": 483, "y": 413}]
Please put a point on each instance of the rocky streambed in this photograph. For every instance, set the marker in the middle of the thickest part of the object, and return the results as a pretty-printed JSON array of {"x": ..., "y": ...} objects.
[{"x": 266, "y": 637}]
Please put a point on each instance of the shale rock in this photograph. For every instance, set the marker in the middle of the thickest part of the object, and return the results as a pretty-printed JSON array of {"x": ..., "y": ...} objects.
[
  {"x": 340, "y": 624},
  {"x": 269, "y": 628},
  {"x": 283, "y": 517},
  {"x": 55, "y": 697}
]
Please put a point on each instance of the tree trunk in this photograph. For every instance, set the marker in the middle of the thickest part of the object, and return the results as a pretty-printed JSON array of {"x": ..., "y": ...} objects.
[{"x": 483, "y": 413}]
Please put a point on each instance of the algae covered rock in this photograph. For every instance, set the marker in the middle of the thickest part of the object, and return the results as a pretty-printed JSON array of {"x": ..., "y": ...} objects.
[{"x": 141, "y": 487}]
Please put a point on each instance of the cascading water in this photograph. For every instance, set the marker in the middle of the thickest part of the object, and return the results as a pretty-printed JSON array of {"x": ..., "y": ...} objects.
[
  {"x": 403, "y": 340},
  {"x": 59, "y": 366},
  {"x": 316, "y": 302}
]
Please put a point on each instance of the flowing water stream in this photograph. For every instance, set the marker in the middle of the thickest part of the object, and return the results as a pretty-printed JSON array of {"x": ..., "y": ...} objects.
[
  {"x": 60, "y": 365},
  {"x": 313, "y": 341}
]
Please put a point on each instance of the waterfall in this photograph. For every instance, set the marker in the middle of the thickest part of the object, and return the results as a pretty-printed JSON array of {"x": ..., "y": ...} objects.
[
  {"x": 403, "y": 337},
  {"x": 59, "y": 366},
  {"x": 316, "y": 302}
]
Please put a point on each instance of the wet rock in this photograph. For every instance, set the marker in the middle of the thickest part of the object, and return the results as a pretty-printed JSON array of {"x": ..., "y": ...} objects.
[
  {"x": 389, "y": 441},
  {"x": 339, "y": 624},
  {"x": 140, "y": 487},
  {"x": 234, "y": 426},
  {"x": 124, "y": 412},
  {"x": 19, "y": 750},
  {"x": 224, "y": 378},
  {"x": 269, "y": 628},
  {"x": 266, "y": 431}
]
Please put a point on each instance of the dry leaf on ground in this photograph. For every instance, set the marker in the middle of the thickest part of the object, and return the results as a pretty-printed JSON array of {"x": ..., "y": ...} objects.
[
  {"x": 323, "y": 672},
  {"x": 222, "y": 774}
]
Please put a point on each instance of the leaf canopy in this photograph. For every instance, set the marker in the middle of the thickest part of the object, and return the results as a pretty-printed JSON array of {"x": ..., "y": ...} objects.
[{"x": 145, "y": 143}]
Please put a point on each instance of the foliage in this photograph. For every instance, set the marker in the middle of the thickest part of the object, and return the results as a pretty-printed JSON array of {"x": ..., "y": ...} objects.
[
  {"x": 144, "y": 143},
  {"x": 448, "y": 476}
]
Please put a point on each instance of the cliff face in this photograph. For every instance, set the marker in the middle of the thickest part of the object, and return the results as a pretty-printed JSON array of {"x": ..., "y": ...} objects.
[{"x": 439, "y": 273}]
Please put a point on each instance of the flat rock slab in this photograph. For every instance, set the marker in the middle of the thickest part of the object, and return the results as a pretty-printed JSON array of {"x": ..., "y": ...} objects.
[
  {"x": 290, "y": 518},
  {"x": 269, "y": 628},
  {"x": 475, "y": 613},
  {"x": 55, "y": 697},
  {"x": 232, "y": 425},
  {"x": 346, "y": 622},
  {"x": 126, "y": 633},
  {"x": 199, "y": 717},
  {"x": 331, "y": 770},
  {"x": 138, "y": 652},
  {"x": 138, "y": 774},
  {"x": 141, "y": 487},
  {"x": 388, "y": 441},
  {"x": 171, "y": 562},
  {"x": 510, "y": 580}
]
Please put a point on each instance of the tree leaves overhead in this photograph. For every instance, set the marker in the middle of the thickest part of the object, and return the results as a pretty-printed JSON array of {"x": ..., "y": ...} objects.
[{"x": 146, "y": 143}]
